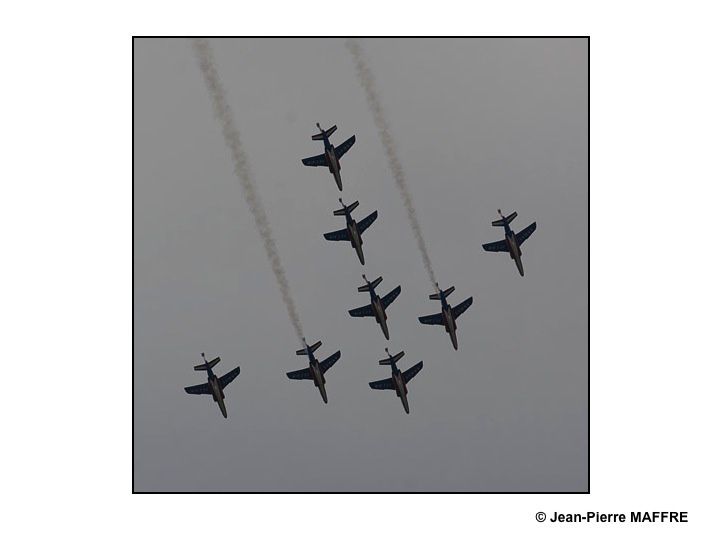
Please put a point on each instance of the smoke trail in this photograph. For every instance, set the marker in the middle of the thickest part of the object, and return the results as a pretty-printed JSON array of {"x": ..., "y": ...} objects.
[
  {"x": 368, "y": 83},
  {"x": 242, "y": 171}
]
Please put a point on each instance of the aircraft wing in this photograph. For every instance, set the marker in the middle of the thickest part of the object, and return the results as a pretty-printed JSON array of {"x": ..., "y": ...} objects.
[
  {"x": 316, "y": 161},
  {"x": 300, "y": 374},
  {"x": 365, "y": 223},
  {"x": 344, "y": 147},
  {"x": 432, "y": 319},
  {"x": 410, "y": 373},
  {"x": 337, "y": 236},
  {"x": 525, "y": 233},
  {"x": 365, "y": 311},
  {"x": 385, "y": 384},
  {"x": 228, "y": 377},
  {"x": 390, "y": 297},
  {"x": 199, "y": 389},
  {"x": 500, "y": 245},
  {"x": 461, "y": 307},
  {"x": 329, "y": 362}
]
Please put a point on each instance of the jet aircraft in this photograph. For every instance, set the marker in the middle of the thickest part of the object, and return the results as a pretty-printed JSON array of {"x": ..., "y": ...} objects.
[
  {"x": 352, "y": 231},
  {"x": 399, "y": 380},
  {"x": 316, "y": 371},
  {"x": 215, "y": 385},
  {"x": 448, "y": 316},
  {"x": 377, "y": 306},
  {"x": 330, "y": 158},
  {"x": 512, "y": 241}
]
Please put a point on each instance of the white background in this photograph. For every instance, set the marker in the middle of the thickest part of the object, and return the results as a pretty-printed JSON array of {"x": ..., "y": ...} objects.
[{"x": 66, "y": 170}]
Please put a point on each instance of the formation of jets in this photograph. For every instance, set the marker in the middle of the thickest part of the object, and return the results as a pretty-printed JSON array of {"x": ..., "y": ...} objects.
[{"x": 378, "y": 305}]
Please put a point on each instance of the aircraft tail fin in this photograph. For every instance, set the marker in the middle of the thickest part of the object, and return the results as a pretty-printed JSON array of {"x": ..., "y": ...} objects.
[
  {"x": 211, "y": 364},
  {"x": 504, "y": 219},
  {"x": 320, "y": 136},
  {"x": 346, "y": 210},
  {"x": 393, "y": 358},
  {"x": 368, "y": 286},
  {"x": 446, "y": 292},
  {"x": 313, "y": 348}
]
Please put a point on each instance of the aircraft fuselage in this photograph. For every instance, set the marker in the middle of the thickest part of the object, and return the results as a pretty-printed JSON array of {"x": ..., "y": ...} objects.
[
  {"x": 217, "y": 393},
  {"x": 318, "y": 377},
  {"x": 514, "y": 248},
  {"x": 379, "y": 311},
  {"x": 333, "y": 162},
  {"x": 400, "y": 388},
  {"x": 355, "y": 238},
  {"x": 449, "y": 321}
]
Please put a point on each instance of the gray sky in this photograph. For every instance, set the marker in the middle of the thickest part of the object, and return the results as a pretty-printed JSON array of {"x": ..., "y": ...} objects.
[{"x": 479, "y": 125}]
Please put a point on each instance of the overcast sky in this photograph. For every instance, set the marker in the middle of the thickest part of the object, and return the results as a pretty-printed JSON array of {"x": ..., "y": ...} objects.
[{"x": 480, "y": 125}]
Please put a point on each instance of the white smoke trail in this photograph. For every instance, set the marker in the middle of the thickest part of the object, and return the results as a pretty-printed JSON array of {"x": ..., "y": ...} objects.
[
  {"x": 242, "y": 171},
  {"x": 368, "y": 83}
]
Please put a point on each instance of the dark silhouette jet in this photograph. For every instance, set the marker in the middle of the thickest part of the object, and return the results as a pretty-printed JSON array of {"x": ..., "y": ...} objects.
[
  {"x": 316, "y": 371},
  {"x": 399, "y": 380},
  {"x": 215, "y": 385},
  {"x": 512, "y": 241},
  {"x": 377, "y": 306},
  {"x": 352, "y": 231},
  {"x": 330, "y": 158},
  {"x": 448, "y": 316}
]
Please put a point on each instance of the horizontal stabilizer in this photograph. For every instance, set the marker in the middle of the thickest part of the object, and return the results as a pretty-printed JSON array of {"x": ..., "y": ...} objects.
[
  {"x": 505, "y": 219},
  {"x": 326, "y": 133},
  {"x": 368, "y": 286},
  {"x": 210, "y": 364},
  {"x": 392, "y": 360},
  {"x": 313, "y": 348},
  {"x": 347, "y": 209},
  {"x": 447, "y": 292}
]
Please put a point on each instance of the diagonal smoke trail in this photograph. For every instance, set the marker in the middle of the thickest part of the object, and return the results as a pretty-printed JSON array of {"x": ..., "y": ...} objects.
[
  {"x": 368, "y": 83},
  {"x": 242, "y": 171}
]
